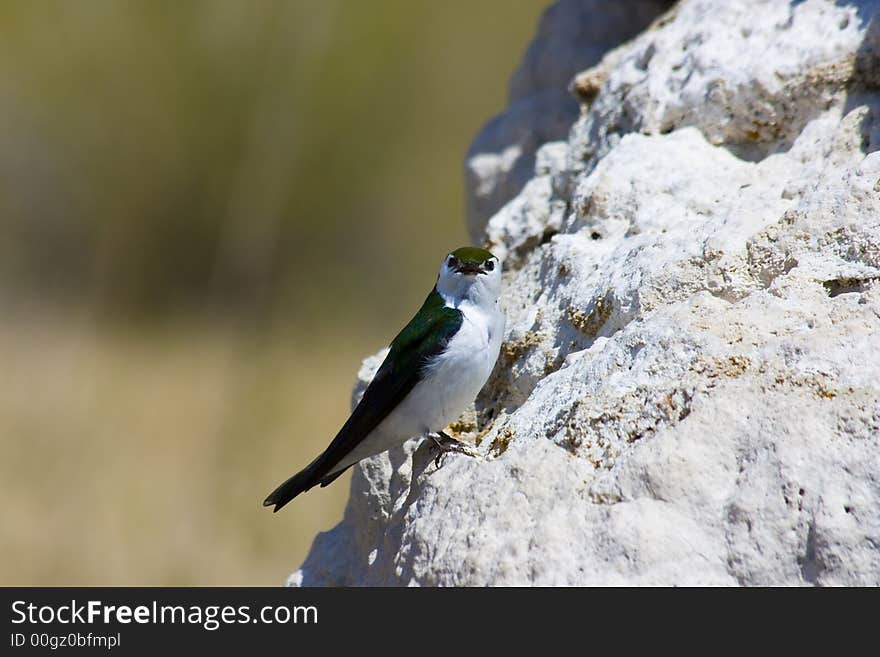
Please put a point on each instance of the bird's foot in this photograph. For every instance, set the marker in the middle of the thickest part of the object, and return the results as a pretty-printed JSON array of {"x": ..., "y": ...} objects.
[{"x": 443, "y": 443}]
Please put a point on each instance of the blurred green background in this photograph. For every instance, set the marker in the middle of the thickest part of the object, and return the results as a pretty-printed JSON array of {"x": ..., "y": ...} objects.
[{"x": 209, "y": 213}]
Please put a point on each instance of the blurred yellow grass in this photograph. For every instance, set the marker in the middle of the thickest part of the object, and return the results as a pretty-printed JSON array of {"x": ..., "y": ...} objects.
[
  {"x": 220, "y": 207},
  {"x": 142, "y": 457}
]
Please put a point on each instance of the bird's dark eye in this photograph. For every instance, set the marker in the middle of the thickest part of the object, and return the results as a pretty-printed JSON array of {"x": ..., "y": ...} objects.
[
  {"x": 490, "y": 265},
  {"x": 452, "y": 261}
]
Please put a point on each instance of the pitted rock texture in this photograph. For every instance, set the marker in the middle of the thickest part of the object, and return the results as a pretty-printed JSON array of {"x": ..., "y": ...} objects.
[
  {"x": 572, "y": 35},
  {"x": 688, "y": 392}
]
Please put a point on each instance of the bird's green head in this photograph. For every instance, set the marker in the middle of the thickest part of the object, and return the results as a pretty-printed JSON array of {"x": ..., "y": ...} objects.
[
  {"x": 470, "y": 272},
  {"x": 471, "y": 260}
]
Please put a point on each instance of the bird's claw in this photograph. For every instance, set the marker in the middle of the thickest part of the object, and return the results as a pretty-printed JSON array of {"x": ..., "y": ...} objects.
[{"x": 444, "y": 443}]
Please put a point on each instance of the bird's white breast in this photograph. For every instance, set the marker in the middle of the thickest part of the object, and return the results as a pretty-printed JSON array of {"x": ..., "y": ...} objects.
[
  {"x": 459, "y": 373},
  {"x": 452, "y": 381}
]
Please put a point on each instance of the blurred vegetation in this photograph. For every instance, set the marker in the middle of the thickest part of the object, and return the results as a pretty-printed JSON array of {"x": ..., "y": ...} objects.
[{"x": 210, "y": 211}]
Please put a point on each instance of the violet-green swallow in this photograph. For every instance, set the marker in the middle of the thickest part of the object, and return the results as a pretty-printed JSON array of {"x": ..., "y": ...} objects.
[{"x": 435, "y": 367}]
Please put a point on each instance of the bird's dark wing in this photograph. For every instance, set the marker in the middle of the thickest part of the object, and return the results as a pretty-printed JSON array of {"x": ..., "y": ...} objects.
[{"x": 426, "y": 336}]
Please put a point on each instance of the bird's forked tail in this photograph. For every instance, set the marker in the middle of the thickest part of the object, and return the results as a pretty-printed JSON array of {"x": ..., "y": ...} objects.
[{"x": 313, "y": 474}]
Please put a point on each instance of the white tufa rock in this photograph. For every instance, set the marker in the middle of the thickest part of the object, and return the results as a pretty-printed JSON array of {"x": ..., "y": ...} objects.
[
  {"x": 572, "y": 35},
  {"x": 689, "y": 388}
]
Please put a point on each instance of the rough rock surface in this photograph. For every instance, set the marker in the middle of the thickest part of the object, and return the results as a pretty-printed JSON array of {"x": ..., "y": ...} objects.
[
  {"x": 572, "y": 35},
  {"x": 688, "y": 392}
]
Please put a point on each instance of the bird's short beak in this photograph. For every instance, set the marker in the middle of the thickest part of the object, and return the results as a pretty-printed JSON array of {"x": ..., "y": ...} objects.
[{"x": 471, "y": 268}]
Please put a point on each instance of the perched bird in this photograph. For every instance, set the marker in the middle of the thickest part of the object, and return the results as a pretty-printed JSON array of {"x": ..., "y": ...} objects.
[{"x": 435, "y": 367}]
